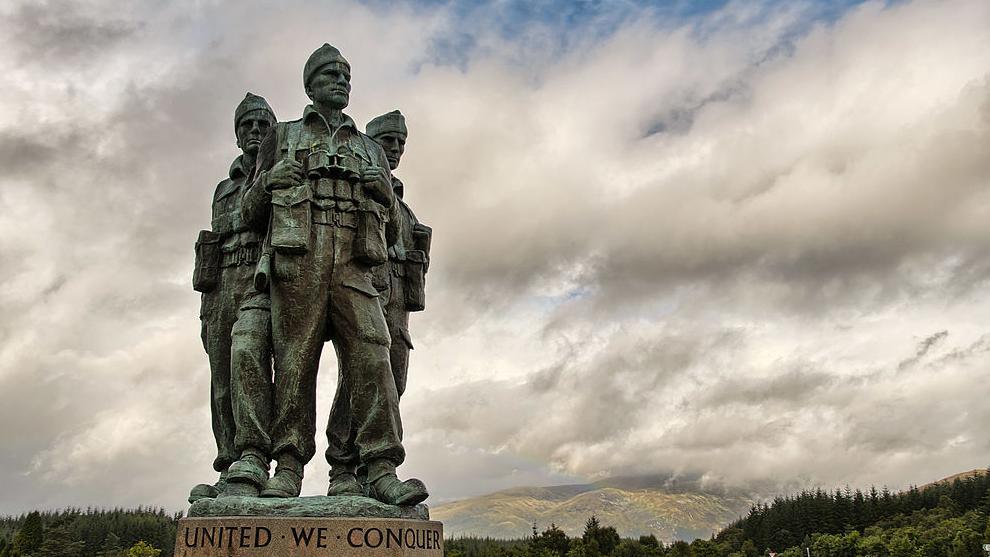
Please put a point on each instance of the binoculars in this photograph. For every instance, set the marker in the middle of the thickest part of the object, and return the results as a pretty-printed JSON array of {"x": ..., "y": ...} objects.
[{"x": 321, "y": 163}]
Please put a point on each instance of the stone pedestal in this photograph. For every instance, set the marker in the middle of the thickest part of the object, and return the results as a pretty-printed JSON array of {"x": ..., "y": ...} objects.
[{"x": 307, "y": 526}]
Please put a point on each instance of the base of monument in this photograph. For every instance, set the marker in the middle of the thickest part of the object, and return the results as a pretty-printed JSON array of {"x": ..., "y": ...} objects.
[
  {"x": 340, "y": 506},
  {"x": 257, "y": 536}
]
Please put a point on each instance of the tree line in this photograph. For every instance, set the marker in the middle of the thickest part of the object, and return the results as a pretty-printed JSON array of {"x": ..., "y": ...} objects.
[
  {"x": 794, "y": 521},
  {"x": 141, "y": 532}
]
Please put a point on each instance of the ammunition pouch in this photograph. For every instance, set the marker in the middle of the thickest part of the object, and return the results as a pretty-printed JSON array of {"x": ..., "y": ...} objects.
[
  {"x": 291, "y": 219},
  {"x": 415, "y": 280},
  {"x": 206, "y": 274},
  {"x": 285, "y": 266},
  {"x": 245, "y": 254},
  {"x": 338, "y": 190},
  {"x": 369, "y": 238}
]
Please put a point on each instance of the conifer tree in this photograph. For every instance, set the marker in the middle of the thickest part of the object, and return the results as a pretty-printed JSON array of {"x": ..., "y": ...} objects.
[
  {"x": 59, "y": 543},
  {"x": 30, "y": 536}
]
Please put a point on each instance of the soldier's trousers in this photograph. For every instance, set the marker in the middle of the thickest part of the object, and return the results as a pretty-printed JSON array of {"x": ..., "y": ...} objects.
[
  {"x": 251, "y": 377},
  {"x": 218, "y": 314},
  {"x": 325, "y": 293},
  {"x": 341, "y": 453},
  {"x": 397, "y": 319}
]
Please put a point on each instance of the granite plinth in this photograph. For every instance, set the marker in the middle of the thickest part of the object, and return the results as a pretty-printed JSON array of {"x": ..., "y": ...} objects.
[
  {"x": 342, "y": 506},
  {"x": 255, "y": 536}
]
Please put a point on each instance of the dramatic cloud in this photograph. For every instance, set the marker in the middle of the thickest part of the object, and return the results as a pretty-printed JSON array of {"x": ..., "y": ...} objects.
[{"x": 750, "y": 243}]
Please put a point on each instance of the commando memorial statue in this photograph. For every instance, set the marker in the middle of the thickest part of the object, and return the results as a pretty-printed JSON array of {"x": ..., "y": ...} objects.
[{"x": 310, "y": 242}]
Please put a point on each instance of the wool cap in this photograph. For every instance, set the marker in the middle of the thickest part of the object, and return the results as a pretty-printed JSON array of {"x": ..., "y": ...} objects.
[
  {"x": 252, "y": 102},
  {"x": 320, "y": 57},
  {"x": 393, "y": 122}
]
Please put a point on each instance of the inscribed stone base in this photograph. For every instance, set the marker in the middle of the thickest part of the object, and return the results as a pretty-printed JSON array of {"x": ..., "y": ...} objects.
[{"x": 250, "y": 536}]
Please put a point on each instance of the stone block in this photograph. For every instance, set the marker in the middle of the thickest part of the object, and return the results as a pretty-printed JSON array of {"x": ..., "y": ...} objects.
[{"x": 256, "y": 536}]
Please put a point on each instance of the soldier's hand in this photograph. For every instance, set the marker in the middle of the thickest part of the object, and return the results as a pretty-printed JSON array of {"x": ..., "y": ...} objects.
[
  {"x": 377, "y": 182},
  {"x": 285, "y": 174}
]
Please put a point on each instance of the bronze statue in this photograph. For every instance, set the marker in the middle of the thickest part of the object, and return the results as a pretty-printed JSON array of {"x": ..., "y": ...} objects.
[
  {"x": 322, "y": 195},
  {"x": 226, "y": 257},
  {"x": 408, "y": 259},
  {"x": 400, "y": 283}
]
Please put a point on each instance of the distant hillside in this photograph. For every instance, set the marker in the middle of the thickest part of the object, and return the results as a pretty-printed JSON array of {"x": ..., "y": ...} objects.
[
  {"x": 959, "y": 476},
  {"x": 670, "y": 509}
]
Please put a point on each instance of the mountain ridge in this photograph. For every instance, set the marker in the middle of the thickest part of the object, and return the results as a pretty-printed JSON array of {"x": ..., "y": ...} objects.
[{"x": 669, "y": 507}]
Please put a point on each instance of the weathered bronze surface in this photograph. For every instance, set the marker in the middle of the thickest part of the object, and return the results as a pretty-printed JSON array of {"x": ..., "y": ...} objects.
[
  {"x": 314, "y": 506},
  {"x": 311, "y": 243},
  {"x": 408, "y": 259},
  {"x": 231, "y": 308}
]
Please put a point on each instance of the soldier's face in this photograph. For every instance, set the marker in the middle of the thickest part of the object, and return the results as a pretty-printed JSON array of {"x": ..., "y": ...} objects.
[
  {"x": 394, "y": 145},
  {"x": 331, "y": 86},
  {"x": 251, "y": 129}
]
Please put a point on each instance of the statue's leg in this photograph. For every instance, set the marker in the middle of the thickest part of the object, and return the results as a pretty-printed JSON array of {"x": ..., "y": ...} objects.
[
  {"x": 362, "y": 335},
  {"x": 218, "y": 327},
  {"x": 398, "y": 329},
  {"x": 298, "y": 325},
  {"x": 341, "y": 453},
  {"x": 251, "y": 376}
]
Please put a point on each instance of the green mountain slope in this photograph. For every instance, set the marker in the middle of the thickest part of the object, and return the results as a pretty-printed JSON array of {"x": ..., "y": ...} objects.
[{"x": 669, "y": 509}]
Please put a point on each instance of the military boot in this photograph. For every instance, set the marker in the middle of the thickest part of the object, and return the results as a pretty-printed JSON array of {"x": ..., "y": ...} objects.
[
  {"x": 207, "y": 491},
  {"x": 393, "y": 491},
  {"x": 386, "y": 487},
  {"x": 344, "y": 482},
  {"x": 287, "y": 480},
  {"x": 247, "y": 476}
]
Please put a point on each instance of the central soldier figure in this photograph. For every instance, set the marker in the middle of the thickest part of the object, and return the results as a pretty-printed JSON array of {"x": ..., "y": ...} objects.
[{"x": 323, "y": 193}]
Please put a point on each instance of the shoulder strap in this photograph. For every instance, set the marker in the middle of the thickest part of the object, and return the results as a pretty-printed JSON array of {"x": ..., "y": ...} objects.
[{"x": 368, "y": 149}]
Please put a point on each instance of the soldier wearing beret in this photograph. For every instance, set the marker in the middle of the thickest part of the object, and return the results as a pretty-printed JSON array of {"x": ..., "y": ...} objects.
[
  {"x": 323, "y": 190},
  {"x": 226, "y": 257}
]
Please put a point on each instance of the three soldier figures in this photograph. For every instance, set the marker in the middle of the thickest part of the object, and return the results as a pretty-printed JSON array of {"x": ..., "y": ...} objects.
[{"x": 311, "y": 242}]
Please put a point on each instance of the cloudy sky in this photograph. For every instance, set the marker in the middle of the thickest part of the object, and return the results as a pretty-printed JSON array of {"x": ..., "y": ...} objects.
[{"x": 744, "y": 239}]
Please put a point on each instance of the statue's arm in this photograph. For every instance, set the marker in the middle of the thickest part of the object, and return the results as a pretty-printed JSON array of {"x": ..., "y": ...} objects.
[
  {"x": 256, "y": 203},
  {"x": 393, "y": 227}
]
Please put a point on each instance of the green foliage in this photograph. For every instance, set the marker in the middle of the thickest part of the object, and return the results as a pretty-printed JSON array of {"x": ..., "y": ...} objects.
[
  {"x": 30, "y": 535},
  {"x": 552, "y": 541},
  {"x": 598, "y": 539},
  {"x": 650, "y": 541},
  {"x": 142, "y": 549},
  {"x": 111, "y": 546},
  {"x": 486, "y": 547},
  {"x": 59, "y": 543},
  {"x": 793, "y": 521},
  {"x": 101, "y": 533},
  {"x": 966, "y": 543}
]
